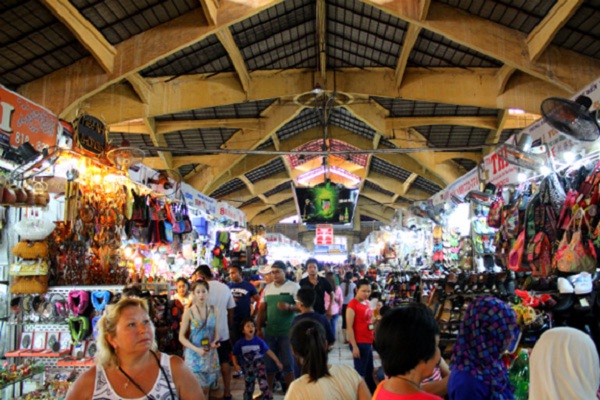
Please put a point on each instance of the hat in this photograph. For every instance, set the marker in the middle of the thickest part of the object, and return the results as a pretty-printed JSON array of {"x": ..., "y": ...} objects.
[
  {"x": 279, "y": 265},
  {"x": 264, "y": 270}
]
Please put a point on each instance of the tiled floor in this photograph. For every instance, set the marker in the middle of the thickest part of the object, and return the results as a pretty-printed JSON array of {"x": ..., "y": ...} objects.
[{"x": 340, "y": 355}]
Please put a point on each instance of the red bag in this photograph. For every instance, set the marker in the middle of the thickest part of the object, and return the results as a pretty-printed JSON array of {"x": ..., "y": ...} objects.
[
  {"x": 515, "y": 258},
  {"x": 539, "y": 255}
]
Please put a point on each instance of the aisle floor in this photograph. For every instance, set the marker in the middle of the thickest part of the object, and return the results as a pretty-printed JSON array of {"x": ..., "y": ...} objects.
[{"x": 340, "y": 355}]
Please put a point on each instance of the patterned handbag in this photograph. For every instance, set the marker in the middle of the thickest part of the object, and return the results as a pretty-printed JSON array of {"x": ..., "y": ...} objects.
[{"x": 578, "y": 254}]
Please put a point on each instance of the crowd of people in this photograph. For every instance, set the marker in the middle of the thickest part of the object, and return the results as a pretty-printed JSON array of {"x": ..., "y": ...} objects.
[{"x": 285, "y": 328}]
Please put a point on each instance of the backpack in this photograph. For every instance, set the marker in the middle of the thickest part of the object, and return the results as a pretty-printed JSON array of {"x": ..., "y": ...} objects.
[{"x": 539, "y": 255}]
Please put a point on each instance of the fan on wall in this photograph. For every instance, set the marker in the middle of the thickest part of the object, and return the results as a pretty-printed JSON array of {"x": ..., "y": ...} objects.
[
  {"x": 125, "y": 157},
  {"x": 167, "y": 182},
  {"x": 572, "y": 118},
  {"x": 523, "y": 155}
]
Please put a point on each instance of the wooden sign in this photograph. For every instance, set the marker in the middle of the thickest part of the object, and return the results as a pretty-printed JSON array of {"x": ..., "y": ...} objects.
[{"x": 90, "y": 135}]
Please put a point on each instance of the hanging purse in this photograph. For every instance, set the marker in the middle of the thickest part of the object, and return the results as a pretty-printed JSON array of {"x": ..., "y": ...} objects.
[
  {"x": 30, "y": 250},
  {"x": 35, "y": 284},
  {"x": 578, "y": 254},
  {"x": 29, "y": 267},
  {"x": 495, "y": 215}
]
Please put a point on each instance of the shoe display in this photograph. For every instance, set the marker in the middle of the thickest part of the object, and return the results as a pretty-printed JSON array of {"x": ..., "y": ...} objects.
[
  {"x": 582, "y": 283},
  {"x": 564, "y": 286}
]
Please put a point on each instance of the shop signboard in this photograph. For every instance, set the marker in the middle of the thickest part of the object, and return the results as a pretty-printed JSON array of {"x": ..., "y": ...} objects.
[
  {"x": 324, "y": 234},
  {"x": 227, "y": 211},
  {"x": 23, "y": 121},
  {"x": 274, "y": 238},
  {"x": 197, "y": 200}
]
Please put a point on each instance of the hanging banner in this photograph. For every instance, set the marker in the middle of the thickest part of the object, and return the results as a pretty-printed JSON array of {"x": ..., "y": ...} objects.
[
  {"x": 24, "y": 121},
  {"x": 195, "y": 199},
  {"x": 324, "y": 234}
]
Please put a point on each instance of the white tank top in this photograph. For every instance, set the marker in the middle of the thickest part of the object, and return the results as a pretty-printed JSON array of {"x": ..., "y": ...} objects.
[{"x": 103, "y": 390}]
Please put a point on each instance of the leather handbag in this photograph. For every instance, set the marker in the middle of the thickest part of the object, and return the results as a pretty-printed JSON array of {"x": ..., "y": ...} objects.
[
  {"x": 29, "y": 284},
  {"x": 30, "y": 250}
]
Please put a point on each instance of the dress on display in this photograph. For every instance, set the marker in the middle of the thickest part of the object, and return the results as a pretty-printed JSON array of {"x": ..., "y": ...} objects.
[{"x": 206, "y": 368}]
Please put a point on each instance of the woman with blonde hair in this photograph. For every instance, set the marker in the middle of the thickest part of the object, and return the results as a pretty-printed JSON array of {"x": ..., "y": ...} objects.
[{"x": 127, "y": 362}]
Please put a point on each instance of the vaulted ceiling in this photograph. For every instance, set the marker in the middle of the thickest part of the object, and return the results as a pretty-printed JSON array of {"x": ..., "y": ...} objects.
[{"x": 416, "y": 92}]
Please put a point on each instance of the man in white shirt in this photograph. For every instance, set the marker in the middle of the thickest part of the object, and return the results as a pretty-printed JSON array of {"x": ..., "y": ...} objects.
[{"x": 221, "y": 298}]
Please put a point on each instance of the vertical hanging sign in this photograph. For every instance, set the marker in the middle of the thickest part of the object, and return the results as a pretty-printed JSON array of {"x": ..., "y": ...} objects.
[
  {"x": 324, "y": 234},
  {"x": 22, "y": 121}
]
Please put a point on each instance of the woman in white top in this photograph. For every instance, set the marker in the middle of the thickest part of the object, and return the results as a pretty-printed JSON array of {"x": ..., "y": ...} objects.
[
  {"x": 183, "y": 292},
  {"x": 320, "y": 380},
  {"x": 564, "y": 365},
  {"x": 348, "y": 291},
  {"x": 128, "y": 364}
]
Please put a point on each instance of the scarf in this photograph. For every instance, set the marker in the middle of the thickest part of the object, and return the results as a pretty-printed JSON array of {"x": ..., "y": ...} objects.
[
  {"x": 564, "y": 365},
  {"x": 484, "y": 334}
]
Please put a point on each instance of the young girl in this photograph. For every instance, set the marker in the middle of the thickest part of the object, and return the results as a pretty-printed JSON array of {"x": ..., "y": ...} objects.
[
  {"x": 248, "y": 352},
  {"x": 201, "y": 341}
]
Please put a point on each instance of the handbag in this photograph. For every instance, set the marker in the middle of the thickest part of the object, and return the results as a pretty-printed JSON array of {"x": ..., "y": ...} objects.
[
  {"x": 578, "y": 254},
  {"x": 515, "y": 257},
  {"x": 34, "y": 229},
  {"x": 29, "y": 267},
  {"x": 29, "y": 284},
  {"x": 495, "y": 216},
  {"x": 30, "y": 250}
]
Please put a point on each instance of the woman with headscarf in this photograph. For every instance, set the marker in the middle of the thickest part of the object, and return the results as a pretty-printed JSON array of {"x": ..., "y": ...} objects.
[
  {"x": 564, "y": 365},
  {"x": 477, "y": 371}
]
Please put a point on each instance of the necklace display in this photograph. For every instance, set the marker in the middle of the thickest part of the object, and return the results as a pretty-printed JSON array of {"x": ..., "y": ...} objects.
[{"x": 416, "y": 385}]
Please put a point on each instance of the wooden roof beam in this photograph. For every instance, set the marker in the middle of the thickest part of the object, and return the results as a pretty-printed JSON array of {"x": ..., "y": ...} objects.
[
  {"x": 504, "y": 44},
  {"x": 87, "y": 78},
  {"x": 484, "y": 122},
  {"x": 159, "y": 141},
  {"x": 211, "y": 10},
  {"x": 495, "y": 134},
  {"x": 322, "y": 39},
  {"x": 164, "y": 127},
  {"x": 226, "y": 38},
  {"x": 86, "y": 33},
  {"x": 209, "y": 181},
  {"x": 410, "y": 38},
  {"x": 473, "y": 87},
  {"x": 541, "y": 36}
]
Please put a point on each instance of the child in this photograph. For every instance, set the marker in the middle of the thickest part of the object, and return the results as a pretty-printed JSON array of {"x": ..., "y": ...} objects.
[
  {"x": 248, "y": 355},
  {"x": 305, "y": 299}
]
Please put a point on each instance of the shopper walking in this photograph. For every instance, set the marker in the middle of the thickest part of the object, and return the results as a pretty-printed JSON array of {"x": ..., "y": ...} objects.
[
  {"x": 319, "y": 284},
  {"x": 348, "y": 288},
  {"x": 360, "y": 321},
  {"x": 278, "y": 308},
  {"x": 221, "y": 298},
  {"x": 337, "y": 298},
  {"x": 199, "y": 336}
]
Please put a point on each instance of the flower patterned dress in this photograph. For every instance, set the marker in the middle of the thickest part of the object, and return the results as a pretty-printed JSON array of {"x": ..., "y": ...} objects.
[{"x": 206, "y": 368}]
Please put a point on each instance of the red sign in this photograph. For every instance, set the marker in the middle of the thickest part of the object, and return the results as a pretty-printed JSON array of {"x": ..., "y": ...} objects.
[
  {"x": 23, "y": 121},
  {"x": 324, "y": 234}
]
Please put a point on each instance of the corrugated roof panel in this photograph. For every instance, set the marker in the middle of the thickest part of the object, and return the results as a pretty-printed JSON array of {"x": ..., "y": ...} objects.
[
  {"x": 118, "y": 20},
  {"x": 279, "y": 188},
  {"x": 582, "y": 30},
  {"x": 383, "y": 167},
  {"x": 426, "y": 185},
  {"x": 33, "y": 43},
  {"x": 453, "y": 135},
  {"x": 273, "y": 167},
  {"x": 378, "y": 188},
  {"x": 523, "y": 15},
  {"x": 116, "y": 138},
  {"x": 412, "y": 108},
  {"x": 191, "y": 139},
  {"x": 203, "y": 57},
  {"x": 228, "y": 187},
  {"x": 250, "y": 109}
]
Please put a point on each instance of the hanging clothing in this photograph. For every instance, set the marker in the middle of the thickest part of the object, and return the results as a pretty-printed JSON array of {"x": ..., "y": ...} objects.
[{"x": 564, "y": 365}]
